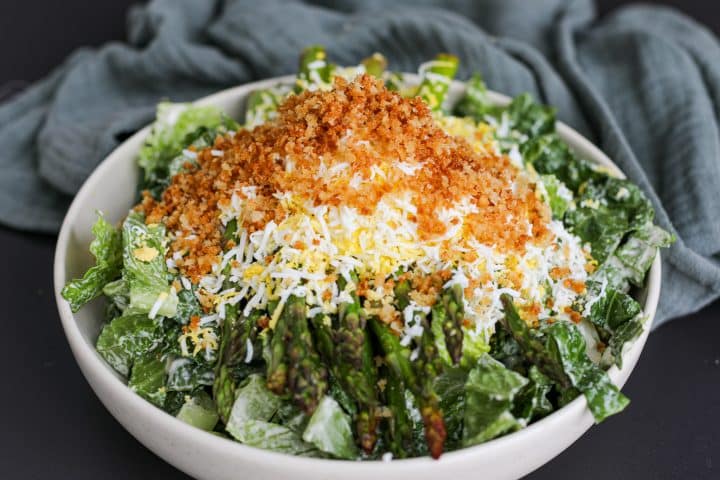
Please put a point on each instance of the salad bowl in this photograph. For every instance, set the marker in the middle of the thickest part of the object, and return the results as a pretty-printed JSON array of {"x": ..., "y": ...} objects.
[{"x": 112, "y": 190}]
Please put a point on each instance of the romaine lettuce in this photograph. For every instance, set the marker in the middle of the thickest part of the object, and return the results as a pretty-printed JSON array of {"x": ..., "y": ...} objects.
[
  {"x": 145, "y": 270},
  {"x": 250, "y": 420},
  {"x": 490, "y": 391},
  {"x": 567, "y": 346},
  {"x": 107, "y": 250},
  {"x": 174, "y": 130},
  {"x": 126, "y": 339},
  {"x": 147, "y": 379},
  {"x": 329, "y": 430},
  {"x": 199, "y": 411}
]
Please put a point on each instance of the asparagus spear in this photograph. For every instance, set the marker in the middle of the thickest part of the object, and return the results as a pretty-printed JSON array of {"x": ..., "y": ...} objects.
[
  {"x": 224, "y": 385},
  {"x": 345, "y": 346},
  {"x": 399, "y": 432},
  {"x": 349, "y": 336},
  {"x": 430, "y": 366},
  {"x": 532, "y": 346},
  {"x": 451, "y": 316},
  {"x": 436, "y": 80},
  {"x": 418, "y": 378},
  {"x": 277, "y": 368},
  {"x": 307, "y": 376},
  {"x": 235, "y": 336}
]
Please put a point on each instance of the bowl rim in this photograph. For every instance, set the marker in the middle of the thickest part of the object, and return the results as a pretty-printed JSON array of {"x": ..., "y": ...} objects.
[{"x": 92, "y": 365}]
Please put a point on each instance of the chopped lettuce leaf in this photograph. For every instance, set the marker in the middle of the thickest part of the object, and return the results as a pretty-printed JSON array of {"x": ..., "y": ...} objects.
[
  {"x": 621, "y": 196},
  {"x": 188, "y": 307},
  {"x": 613, "y": 309},
  {"x": 199, "y": 411},
  {"x": 608, "y": 209},
  {"x": 602, "y": 227},
  {"x": 329, "y": 430},
  {"x": 629, "y": 264},
  {"x": 169, "y": 135},
  {"x": 254, "y": 401},
  {"x": 559, "y": 352},
  {"x": 250, "y": 423},
  {"x": 625, "y": 333},
  {"x": 532, "y": 402},
  {"x": 450, "y": 388},
  {"x": 548, "y": 154},
  {"x": 185, "y": 374},
  {"x": 106, "y": 247},
  {"x": 529, "y": 117},
  {"x": 490, "y": 391},
  {"x": 118, "y": 293},
  {"x": 559, "y": 196},
  {"x": 147, "y": 379},
  {"x": 617, "y": 318},
  {"x": 289, "y": 415},
  {"x": 270, "y": 436},
  {"x": 475, "y": 103},
  {"x": 504, "y": 348},
  {"x": 124, "y": 340},
  {"x": 566, "y": 344},
  {"x": 145, "y": 270},
  {"x": 473, "y": 347}
]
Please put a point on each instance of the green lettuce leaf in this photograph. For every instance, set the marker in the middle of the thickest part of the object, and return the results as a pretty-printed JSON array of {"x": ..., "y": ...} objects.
[
  {"x": 107, "y": 250},
  {"x": 549, "y": 155},
  {"x": 490, "y": 391},
  {"x": 199, "y": 411},
  {"x": 169, "y": 136},
  {"x": 609, "y": 208},
  {"x": 329, "y": 430},
  {"x": 558, "y": 351},
  {"x": 118, "y": 293},
  {"x": 600, "y": 226},
  {"x": 613, "y": 309},
  {"x": 529, "y": 117},
  {"x": 147, "y": 379},
  {"x": 450, "y": 388},
  {"x": 505, "y": 349},
  {"x": 532, "y": 402},
  {"x": 559, "y": 196},
  {"x": 185, "y": 374},
  {"x": 567, "y": 345},
  {"x": 188, "y": 307},
  {"x": 250, "y": 420},
  {"x": 475, "y": 103},
  {"x": 617, "y": 318},
  {"x": 145, "y": 270},
  {"x": 629, "y": 264},
  {"x": 126, "y": 339},
  {"x": 474, "y": 346}
]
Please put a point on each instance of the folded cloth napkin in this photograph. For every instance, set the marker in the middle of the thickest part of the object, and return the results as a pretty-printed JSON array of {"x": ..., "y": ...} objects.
[{"x": 643, "y": 84}]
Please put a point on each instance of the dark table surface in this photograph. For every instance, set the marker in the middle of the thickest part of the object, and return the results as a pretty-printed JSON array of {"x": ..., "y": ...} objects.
[{"x": 53, "y": 426}]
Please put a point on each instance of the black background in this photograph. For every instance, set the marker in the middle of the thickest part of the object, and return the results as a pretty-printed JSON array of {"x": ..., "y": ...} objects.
[{"x": 53, "y": 426}]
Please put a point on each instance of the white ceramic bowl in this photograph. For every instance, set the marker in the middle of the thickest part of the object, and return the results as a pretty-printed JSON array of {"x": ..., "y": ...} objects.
[{"x": 111, "y": 189}]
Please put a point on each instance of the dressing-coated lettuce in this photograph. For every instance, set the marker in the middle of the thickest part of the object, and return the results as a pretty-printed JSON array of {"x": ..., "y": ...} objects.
[
  {"x": 107, "y": 250},
  {"x": 145, "y": 270}
]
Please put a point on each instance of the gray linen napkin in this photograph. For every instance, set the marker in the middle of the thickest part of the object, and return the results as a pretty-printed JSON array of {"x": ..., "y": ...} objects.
[{"x": 644, "y": 84}]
